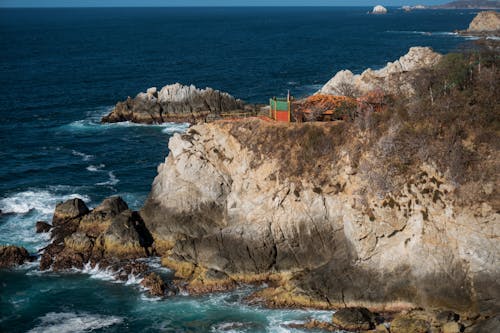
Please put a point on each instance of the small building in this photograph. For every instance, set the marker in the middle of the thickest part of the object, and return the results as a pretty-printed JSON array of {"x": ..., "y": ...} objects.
[{"x": 281, "y": 108}]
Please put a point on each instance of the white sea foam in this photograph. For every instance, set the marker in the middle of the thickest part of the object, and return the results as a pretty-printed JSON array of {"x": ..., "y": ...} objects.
[
  {"x": 107, "y": 274},
  {"x": 111, "y": 182},
  {"x": 95, "y": 168},
  {"x": 25, "y": 208},
  {"x": 42, "y": 201},
  {"x": 171, "y": 128},
  {"x": 98, "y": 273},
  {"x": 85, "y": 157},
  {"x": 66, "y": 322}
]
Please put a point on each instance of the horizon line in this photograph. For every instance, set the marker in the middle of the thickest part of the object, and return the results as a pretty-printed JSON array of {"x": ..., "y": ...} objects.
[{"x": 194, "y": 6}]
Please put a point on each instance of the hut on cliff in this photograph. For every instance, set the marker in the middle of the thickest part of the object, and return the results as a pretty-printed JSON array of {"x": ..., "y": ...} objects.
[{"x": 281, "y": 108}]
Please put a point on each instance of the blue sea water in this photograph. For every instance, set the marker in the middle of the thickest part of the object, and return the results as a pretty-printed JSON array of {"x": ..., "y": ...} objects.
[{"x": 62, "y": 69}]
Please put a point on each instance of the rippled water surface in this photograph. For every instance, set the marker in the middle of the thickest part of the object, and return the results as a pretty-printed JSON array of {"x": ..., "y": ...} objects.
[{"x": 62, "y": 69}]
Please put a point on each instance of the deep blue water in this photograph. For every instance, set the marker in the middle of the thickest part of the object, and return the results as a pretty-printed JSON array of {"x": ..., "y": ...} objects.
[{"x": 62, "y": 69}]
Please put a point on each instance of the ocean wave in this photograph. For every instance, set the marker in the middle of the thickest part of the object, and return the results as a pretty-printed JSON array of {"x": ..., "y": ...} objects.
[
  {"x": 24, "y": 209},
  {"x": 113, "y": 180},
  {"x": 107, "y": 274},
  {"x": 93, "y": 123},
  {"x": 66, "y": 322},
  {"x": 85, "y": 157},
  {"x": 42, "y": 201},
  {"x": 431, "y": 33},
  {"x": 171, "y": 128},
  {"x": 95, "y": 168}
]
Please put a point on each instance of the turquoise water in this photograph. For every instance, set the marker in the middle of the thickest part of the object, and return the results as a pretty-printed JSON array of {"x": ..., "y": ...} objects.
[{"x": 63, "y": 69}]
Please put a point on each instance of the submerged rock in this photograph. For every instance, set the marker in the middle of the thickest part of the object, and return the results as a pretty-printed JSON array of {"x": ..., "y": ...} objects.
[
  {"x": 11, "y": 256},
  {"x": 155, "y": 284},
  {"x": 175, "y": 103}
]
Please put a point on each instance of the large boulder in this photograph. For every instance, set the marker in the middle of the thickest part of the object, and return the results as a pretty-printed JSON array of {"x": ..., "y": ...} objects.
[
  {"x": 174, "y": 103},
  {"x": 68, "y": 210},
  {"x": 354, "y": 319},
  {"x": 485, "y": 22},
  {"x": 126, "y": 237},
  {"x": 99, "y": 219},
  {"x": 409, "y": 324},
  {"x": 11, "y": 256}
]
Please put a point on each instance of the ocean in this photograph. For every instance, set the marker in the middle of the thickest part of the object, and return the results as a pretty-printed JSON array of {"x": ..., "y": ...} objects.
[{"x": 61, "y": 70}]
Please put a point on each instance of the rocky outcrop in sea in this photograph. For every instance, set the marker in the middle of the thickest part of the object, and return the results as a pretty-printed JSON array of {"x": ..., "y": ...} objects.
[
  {"x": 176, "y": 103},
  {"x": 395, "y": 78},
  {"x": 485, "y": 23},
  {"x": 378, "y": 10}
]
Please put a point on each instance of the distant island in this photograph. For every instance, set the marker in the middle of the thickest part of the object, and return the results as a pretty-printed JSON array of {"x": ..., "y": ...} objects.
[{"x": 469, "y": 4}]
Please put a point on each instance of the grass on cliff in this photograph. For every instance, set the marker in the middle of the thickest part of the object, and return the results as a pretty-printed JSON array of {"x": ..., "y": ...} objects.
[{"x": 452, "y": 123}]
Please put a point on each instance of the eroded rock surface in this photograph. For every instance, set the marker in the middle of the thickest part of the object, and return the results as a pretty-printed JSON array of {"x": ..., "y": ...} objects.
[
  {"x": 485, "y": 22},
  {"x": 335, "y": 216},
  {"x": 395, "y": 78},
  {"x": 110, "y": 232},
  {"x": 175, "y": 103}
]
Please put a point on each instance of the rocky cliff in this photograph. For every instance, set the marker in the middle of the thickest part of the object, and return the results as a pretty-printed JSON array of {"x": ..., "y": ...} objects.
[
  {"x": 395, "y": 78},
  {"x": 485, "y": 22},
  {"x": 175, "y": 103},
  {"x": 344, "y": 216}
]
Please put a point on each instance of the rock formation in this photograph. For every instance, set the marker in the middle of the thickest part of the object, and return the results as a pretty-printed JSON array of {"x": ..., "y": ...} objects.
[
  {"x": 395, "y": 78},
  {"x": 337, "y": 219},
  {"x": 379, "y": 10},
  {"x": 111, "y": 236},
  {"x": 11, "y": 256},
  {"x": 485, "y": 22},
  {"x": 176, "y": 103}
]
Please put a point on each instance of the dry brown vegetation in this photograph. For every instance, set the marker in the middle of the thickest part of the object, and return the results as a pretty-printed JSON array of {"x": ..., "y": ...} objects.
[{"x": 452, "y": 123}]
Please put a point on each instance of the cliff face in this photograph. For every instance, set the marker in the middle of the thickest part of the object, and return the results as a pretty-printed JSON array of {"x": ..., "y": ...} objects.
[
  {"x": 174, "y": 103},
  {"x": 396, "y": 78},
  {"x": 349, "y": 215},
  {"x": 485, "y": 22}
]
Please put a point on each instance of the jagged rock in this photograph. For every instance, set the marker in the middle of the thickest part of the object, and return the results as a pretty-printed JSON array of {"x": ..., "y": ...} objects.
[
  {"x": 379, "y": 10},
  {"x": 11, "y": 256},
  {"x": 395, "y": 78},
  {"x": 68, "y": 210},
  {"x": 155, "y": 284},
  {"x": 409, "y": 324},
  {"x": 354, "y": 319},
  {"x": 108, "y": 235},
  {"x": 79, "y": 242},
  {"x": 126, "y": 237},
  {"x": 174, "y": 103},
  {"x": 99, "y": 219},
  {"x": 42, "y": 227},
  {"x": 485, "y": 22}
]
